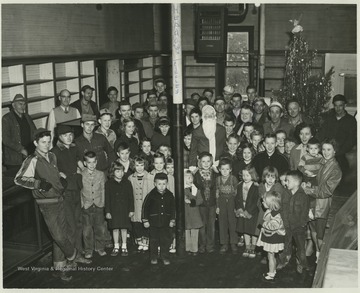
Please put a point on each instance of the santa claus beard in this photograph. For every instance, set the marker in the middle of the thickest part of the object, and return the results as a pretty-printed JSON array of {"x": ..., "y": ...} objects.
[{"x": 209, "y": 127}]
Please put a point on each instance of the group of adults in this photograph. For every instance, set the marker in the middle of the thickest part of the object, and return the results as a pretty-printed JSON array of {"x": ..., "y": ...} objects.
[
  {"x": 18, "y": 127},
  {"x": 209, "y": 125}
]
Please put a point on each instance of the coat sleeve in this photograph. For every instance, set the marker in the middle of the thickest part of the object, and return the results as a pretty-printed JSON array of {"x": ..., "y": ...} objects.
[
  {"x": 173, "y": 209},
  {"x": 327, "y": 187},
  {"x": 25, "y": 177},
  {"x": 145, "y": 208},
  {"x": 111, "y": 156},
  {"x": 7, "y": 135}
]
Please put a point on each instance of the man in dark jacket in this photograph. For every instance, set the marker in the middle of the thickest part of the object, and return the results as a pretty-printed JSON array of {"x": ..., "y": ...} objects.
[
  {"x": 342, "y": 127},
  {"x": 17, "y": 131},
  {"x": 85, "y": 105},
  {"x": 158, "y": 214}
]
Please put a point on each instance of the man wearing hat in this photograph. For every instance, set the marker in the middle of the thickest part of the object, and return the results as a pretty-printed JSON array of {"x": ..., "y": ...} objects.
[
  {"x": 85, "y": 105},
  {"x": 68, "y": 156},
  {"x": 276, "y": 112},
  {"x": 62, "y": 113},
  {"x": 39, "y": 172},
  {"x": 341, "y": 126},
  {"x": 90, "y": 141},
  {"x": 17, "y": 131},
  {"x": 104, "y": 128},
  {"x": 208, "y": 137}
]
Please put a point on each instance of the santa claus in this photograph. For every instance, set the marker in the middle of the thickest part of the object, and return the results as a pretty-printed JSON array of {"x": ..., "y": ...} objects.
[{"x": 209, "y": 137}]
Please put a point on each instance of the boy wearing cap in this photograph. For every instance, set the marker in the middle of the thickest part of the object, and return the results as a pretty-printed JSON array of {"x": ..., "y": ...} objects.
[
  {"x": 158, "y": 214},
  {"x": 85, "y": 105},
  {"x": 104, "y": 128},
  {"x": 62, "y": 113},
  {"x": 68, "y": 156},
  {"x": 90, "y": 141},
  {"x": 39, "y": 173},
  {"x": 276, "y": 112},
  {"x": 113, "y": 104},
  {"x": 17, "y": 131}
]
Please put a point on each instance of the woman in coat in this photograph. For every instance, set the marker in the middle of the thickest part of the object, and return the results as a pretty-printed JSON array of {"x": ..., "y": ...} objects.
[{"x": 328, "y": 178}]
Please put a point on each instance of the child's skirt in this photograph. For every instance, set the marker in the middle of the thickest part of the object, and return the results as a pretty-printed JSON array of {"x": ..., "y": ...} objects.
[{"x": 273, "y": 243}]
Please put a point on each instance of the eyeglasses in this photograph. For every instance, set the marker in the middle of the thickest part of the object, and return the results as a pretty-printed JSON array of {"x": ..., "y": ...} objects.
[{"x": 65, "y": 97}]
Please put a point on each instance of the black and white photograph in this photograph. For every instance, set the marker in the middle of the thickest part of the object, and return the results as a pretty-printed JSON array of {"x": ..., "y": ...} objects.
[{"x": 179, "y": 145}]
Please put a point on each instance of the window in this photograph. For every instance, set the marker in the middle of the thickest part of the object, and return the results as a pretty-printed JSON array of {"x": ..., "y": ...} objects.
[{"x": 238, "y": 68}]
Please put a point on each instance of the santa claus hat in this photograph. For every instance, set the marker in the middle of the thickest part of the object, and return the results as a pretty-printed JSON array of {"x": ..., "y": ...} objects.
[{"x": 207, "y": 109}]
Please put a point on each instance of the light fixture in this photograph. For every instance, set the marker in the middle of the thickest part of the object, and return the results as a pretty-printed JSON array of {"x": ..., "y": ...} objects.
[{"x": 257, "y": 4}]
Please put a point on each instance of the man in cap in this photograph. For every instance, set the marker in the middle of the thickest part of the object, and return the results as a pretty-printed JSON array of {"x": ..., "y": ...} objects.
[
  {"x": 208, "y": 137},
  {"x": 341, "y": 126},
  {"x": 17, "y": 131},
  {"x": 68, "y": 157},
  {"x": 62, "y": 113},
  {"x": 276, "y": 112},
  {"x": 39, "y": 172},
  {"x": 104, "y": 128},
  {"x": 85, "y": 105},
  {"x": 90, "y": 141}
]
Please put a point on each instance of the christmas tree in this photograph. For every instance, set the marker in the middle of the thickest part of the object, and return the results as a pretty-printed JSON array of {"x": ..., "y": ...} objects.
[{"x": 311, "y": 91}]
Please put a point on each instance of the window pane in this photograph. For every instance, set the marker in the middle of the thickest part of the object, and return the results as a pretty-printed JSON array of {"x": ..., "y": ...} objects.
[
  {"x": 237, "y": 48},
  {"x": 238, "y": 77}
]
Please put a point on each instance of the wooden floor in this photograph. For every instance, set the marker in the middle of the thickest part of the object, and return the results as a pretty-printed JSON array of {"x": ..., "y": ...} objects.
[{"x": 134, "y": 271}]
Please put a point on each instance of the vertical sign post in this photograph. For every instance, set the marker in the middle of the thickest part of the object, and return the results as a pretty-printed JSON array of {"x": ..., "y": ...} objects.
[{"x": 177, "y": 134}]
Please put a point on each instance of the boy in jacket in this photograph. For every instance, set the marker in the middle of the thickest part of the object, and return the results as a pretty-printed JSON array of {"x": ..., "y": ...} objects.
[
  {"x": 158, "y": 214},
  {"x": 296, "y": 214}
]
